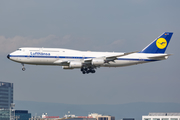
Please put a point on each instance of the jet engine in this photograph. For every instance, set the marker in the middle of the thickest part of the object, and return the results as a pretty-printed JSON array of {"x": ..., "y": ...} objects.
[
  {"x": 96, "y": 61},
  {"x": 73, "y": 64}
]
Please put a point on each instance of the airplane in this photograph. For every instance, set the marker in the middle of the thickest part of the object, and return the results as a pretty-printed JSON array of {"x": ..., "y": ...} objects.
[{"x": 88, "y": 61}]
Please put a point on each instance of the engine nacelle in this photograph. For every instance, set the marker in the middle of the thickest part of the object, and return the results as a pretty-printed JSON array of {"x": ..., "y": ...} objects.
[
  {"x": 96, "y": 61},
  {"x": 75, "y": 64},
  {"x": 72, "y": 65}
]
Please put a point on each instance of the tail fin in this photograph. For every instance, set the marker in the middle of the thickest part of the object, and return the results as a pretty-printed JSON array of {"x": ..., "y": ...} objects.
[{"x": 159, "y": 45}]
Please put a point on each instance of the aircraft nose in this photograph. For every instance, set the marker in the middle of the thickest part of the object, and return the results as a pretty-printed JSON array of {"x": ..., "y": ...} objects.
[{"x": 8, "y": 56}]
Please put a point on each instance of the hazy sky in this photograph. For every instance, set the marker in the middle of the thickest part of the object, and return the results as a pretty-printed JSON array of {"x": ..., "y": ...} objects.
[{"x": 96, "y": 25}]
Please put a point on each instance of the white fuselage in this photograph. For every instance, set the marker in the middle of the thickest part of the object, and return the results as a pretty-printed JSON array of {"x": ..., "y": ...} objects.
[{"x": 53, "y": 56}]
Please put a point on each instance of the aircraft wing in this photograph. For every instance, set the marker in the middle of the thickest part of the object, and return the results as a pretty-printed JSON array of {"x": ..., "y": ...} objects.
[
  {"x": 89, "y": 60},
  {"x": 63, "y": 63},
  {"x": 108, "y": 58}
]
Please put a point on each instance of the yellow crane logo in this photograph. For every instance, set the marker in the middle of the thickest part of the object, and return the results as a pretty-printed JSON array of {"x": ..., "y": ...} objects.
[{"x": 161, "y": 43}]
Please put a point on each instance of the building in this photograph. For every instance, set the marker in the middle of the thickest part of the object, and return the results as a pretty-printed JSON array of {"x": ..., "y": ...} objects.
[
  {"x": 6, "y": 101},
  {"x": 6, "y": 95},
  {"x": 162, "y": 116},
  {"x": 7, "y": 110},
  {"x": 22, "y": 114},
  {"x": 5, "y": 114},
  {"x": 105, "y": 117},
  {"x": 49, "y": 118},
  {"x": 128, "y": 119},
  {"x": 92, "y": 116},
  {"x": 101, "y": 117}
]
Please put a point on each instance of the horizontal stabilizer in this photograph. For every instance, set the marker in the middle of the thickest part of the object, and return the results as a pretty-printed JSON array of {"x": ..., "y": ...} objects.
[{"x": 160, "y": 57}]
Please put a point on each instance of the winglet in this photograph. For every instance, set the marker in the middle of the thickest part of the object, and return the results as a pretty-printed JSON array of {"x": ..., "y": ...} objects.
[{"x": 159, "y": 45}]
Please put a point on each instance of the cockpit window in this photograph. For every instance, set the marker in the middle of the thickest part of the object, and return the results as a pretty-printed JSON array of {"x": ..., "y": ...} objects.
[{"x": 18, "y": 49}]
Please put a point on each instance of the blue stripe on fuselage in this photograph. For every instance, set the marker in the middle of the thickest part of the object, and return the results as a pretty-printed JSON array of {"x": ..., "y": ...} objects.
[{"x": 71, "y": 57}]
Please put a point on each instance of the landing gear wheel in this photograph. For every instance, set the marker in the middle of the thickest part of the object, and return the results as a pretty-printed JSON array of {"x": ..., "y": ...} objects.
[
  {"x": 87, "y": 70},
  {"x": 93, "y": 71},
  {"x": 23, "y": 68}
]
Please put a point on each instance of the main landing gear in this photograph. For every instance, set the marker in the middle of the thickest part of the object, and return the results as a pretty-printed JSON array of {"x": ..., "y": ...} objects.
[
  {"x": 23, "y": 68},
  {"x": 87, "y": 70}
]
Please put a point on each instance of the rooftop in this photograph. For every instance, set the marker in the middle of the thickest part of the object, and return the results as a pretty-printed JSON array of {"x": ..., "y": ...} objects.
[{"x": 164, "y": 114}]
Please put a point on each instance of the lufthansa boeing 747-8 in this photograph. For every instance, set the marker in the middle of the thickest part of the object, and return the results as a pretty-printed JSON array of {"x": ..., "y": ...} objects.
[{"x": 88, "y": 61}]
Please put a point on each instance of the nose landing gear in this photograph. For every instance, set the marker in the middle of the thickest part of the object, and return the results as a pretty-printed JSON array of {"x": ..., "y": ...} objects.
[{"x": 23, "y": 68}]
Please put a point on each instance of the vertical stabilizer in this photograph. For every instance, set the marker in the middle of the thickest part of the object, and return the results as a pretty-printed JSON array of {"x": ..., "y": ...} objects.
[{"x": 159, "y": 45}]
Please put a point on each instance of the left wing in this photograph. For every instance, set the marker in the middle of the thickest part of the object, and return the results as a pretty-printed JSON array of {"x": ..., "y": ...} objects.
[
  {"x": 100, "y": 60},
  {"x": 108, "y": 58},
  {"x": 112, "y": 58},
  {"x": 62, "y": 63}
]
